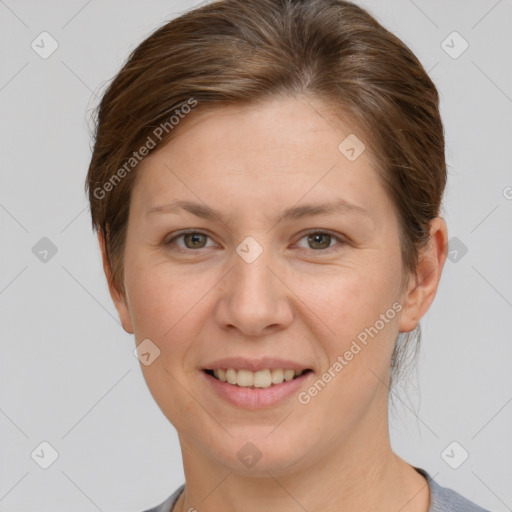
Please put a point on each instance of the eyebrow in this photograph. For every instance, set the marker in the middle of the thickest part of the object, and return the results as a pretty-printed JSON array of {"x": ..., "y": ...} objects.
[{"x": 293, "y": 213}]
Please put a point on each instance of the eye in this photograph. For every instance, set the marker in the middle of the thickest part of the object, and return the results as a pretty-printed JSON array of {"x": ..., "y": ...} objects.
[
  {"x": 316, "y": 240},
  {"x": 190, "y": 240},
  {"x": 319, "y": 240}
]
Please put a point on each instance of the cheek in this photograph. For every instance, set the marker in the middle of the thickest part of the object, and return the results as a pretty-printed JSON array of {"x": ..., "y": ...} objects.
[
  {"x": 346, "y": 300},
  {"x": 165, "y": 306},
  {"x": 353, "y": 314},
  {"x": 165, "y": 301},
  {"x": 358, "y": 344}
]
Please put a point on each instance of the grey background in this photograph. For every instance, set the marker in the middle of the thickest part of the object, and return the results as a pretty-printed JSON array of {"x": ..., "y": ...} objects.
[{"x": 68, "y": 375}]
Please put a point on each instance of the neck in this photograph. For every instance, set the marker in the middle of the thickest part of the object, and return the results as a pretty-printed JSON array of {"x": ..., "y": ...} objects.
[{"x": 359, "y": 472}]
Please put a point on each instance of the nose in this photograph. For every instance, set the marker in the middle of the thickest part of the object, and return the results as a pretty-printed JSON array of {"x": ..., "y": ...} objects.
[{"x": 254, "y": 300}]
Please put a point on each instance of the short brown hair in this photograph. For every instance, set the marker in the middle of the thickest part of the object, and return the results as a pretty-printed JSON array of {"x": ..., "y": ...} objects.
[{"x": 244, "y": 51}]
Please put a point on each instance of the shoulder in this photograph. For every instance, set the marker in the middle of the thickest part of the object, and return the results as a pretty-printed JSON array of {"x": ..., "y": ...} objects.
[
  {"x": 443, "y": 499},
  {"x": 169, "y": 503}
]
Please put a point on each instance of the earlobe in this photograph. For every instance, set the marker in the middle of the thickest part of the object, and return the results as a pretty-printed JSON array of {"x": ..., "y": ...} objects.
[
  {"x": 117, "y": 296},
  {"x": 424, "y": 283}
]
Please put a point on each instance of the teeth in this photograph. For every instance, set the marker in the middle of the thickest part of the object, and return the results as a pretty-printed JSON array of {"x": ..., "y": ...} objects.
[
  {"x": 259, "y": 379},
  {"x": 262, "y": 379},
  {"x": 245, "y": 378},
  {"x": 289, "y": 374},
  {"x": 231, "y": 375},
  {"x": 277, "y": 376},
  {"x": 220, "y": 374}
]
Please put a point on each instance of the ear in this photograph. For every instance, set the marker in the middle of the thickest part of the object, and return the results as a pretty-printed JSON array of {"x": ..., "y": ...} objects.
[
  {"x": 118, "y": 297},
  {"x": 423, "y": 284}
]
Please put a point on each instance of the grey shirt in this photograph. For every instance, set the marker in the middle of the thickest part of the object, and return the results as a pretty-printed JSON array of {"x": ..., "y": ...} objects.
[{"x": 442, "y": 499}]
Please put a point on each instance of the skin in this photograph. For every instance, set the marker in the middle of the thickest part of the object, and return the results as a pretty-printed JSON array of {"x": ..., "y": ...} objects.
[{"x": 297, "y": 300}]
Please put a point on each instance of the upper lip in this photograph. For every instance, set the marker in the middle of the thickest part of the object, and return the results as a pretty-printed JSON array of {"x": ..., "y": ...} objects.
[{"x": 264, "y": 363}]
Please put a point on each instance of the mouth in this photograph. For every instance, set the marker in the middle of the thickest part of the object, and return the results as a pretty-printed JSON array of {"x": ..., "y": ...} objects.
[
  {"x": 255, "y": 383},
  {"x": 261, "y": 379}
]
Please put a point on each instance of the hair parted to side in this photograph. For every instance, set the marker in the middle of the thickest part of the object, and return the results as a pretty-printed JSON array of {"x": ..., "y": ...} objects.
[{"x": 232, "y": 52}]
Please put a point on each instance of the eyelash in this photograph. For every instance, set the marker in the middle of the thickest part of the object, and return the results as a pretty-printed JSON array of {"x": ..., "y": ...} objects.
[{"x": 339, "y": 240}]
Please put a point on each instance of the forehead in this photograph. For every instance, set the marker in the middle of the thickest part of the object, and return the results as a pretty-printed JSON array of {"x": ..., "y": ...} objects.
[
  {"x": 278, "y": 127},
  {"x": 282, "y": 149}
]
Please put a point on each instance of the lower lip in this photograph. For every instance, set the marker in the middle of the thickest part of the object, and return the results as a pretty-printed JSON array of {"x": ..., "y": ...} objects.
[{"x": 256, "y": 398}]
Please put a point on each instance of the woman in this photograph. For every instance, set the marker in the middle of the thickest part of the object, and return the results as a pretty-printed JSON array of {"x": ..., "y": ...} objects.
[{"x": 266, "y": 183}]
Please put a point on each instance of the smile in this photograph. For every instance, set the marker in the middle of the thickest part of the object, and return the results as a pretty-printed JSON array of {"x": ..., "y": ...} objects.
[
  {"x": 255, "y": 390},
  {"x": 259, "y": 379}
]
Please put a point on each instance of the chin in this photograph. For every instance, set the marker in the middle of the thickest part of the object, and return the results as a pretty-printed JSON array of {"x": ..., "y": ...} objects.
[{"x": 259, "y": 451}]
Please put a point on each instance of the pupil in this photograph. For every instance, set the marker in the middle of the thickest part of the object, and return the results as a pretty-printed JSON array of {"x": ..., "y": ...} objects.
[
  {"x": 317, "y": 239},
  {"x": 195, "y": 239}
]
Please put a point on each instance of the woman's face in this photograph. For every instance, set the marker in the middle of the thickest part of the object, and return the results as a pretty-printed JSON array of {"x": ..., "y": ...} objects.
[{"x": 295, "y": 265}]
